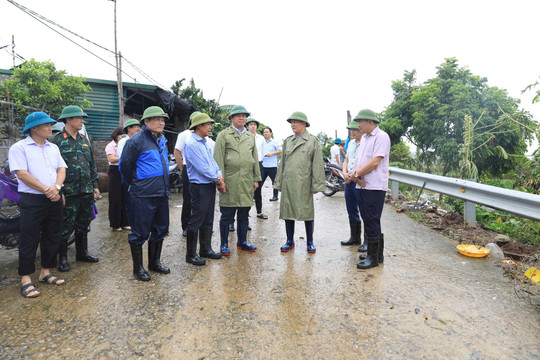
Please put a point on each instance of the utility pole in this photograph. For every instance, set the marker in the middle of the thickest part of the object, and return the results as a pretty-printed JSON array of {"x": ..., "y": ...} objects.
[
  {"x": 118, "y": 57},
  {"x": 13, "y": 49}
]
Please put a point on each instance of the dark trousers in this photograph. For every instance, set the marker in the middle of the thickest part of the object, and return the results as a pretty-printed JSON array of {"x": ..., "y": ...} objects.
[
  {"x": 257, "y": 195},
  {"x": 117, "y": 199},
  {"x": 352, "y": 201},
  {"x": 203, "y": 200},
  {"x": 150, "y": 217},
  {"x": 372, "y": 205},
  {"x": 186, "y": 195},
  {"x": 227, "y": 217},
  {"x": 268, "y": 172},
  {"x": 77, "y": 214},
  {"x": 41, "y": 223}
]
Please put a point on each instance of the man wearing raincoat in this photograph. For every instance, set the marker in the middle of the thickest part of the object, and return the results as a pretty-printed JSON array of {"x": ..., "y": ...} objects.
[
  {"x": 300, "y": 175},
  {"x": 236, "y": 155}
]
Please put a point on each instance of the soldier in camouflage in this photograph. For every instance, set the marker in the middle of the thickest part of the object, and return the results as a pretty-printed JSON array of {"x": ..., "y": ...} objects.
[{"x": 80, "y": 187}]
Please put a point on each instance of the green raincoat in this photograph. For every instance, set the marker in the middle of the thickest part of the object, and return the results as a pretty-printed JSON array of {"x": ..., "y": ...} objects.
[
  {"x": 237, "y": 158},
  {"x": 300, "y": 174}
]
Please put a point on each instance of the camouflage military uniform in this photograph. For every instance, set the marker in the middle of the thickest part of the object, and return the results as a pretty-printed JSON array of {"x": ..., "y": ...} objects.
[{"x": 81, "y": 180}]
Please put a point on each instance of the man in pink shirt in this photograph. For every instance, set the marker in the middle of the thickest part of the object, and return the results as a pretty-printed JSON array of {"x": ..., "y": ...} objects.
[{"x": 371, "y": 177}]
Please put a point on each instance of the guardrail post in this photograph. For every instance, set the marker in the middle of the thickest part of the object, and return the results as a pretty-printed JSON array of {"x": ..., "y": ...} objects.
[
  {"x": 395, "y": 190},
  {"x": 469, "y": 211}
]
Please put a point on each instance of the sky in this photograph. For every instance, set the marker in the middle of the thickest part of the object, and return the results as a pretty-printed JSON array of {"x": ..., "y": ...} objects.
[{"x": 319, "y": 57}]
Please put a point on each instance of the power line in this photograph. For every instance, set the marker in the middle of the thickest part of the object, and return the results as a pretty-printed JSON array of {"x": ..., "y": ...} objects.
[{"x": 39, "y": 18}]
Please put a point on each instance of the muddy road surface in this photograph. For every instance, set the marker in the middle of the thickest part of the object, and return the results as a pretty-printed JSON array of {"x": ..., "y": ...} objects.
[{"x": 425, "y": 302}]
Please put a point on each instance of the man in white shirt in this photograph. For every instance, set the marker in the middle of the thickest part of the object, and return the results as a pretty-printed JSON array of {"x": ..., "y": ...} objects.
[
  {"x": 334, "y": 152},
  {"x": 181, "y": 140},
  {"x": 252, "y": 125},
  {"x": 131, "y": 127}
]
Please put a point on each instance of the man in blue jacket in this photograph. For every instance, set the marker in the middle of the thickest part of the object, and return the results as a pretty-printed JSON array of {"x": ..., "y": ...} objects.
[{"x": 144, "y": 165}]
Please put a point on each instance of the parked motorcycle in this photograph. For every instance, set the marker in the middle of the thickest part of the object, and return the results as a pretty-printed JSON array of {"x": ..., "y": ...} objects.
[
  {"x": 175, "y": 175},
  {"x": 9, "y": 212},
  {"x": 334, "y": 178}
]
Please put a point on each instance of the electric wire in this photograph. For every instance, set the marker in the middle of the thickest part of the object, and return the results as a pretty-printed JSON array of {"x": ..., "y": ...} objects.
[{"x": 41, "y": 19}]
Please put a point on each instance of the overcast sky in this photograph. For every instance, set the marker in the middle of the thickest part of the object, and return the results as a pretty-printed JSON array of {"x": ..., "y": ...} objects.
[{"x": 319, "y": 57}]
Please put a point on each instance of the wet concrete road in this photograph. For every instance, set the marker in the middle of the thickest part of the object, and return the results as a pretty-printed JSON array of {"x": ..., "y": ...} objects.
[{"x": 425, "y": 302}]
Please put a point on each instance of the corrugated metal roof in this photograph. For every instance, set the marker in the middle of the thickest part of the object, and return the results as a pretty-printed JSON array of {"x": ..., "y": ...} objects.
[{"x": 103, "y": 115}]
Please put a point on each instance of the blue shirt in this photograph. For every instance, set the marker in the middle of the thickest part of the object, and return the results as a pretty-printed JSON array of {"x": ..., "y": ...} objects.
[
  {"x": 240, "y": 132},
  {"x": 201, "y": 166},
  {"x": 41, "y": 162},
  {"x": 268, "y": 147}
]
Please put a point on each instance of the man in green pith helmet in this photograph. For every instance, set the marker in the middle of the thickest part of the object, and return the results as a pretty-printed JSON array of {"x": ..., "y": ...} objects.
[
  {"x": 300, "y": 175},
  {"x": 131, "y": 127},
  {"x": 144, "y": 166},
  {"x": 236, "y": 155},
  {"x": 80, "y": 187},
  {"x": 371, "y": 177},
  {"x": 352, "y": 194}
]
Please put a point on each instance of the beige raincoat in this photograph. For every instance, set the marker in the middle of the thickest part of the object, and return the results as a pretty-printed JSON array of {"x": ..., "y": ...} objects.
[
  {"x": 237, "y": 158},
  {"x": 300, "y": 174}
]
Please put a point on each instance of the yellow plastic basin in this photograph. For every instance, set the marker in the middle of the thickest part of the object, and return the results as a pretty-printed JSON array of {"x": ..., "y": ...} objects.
[{"x": 473, "y": 250}]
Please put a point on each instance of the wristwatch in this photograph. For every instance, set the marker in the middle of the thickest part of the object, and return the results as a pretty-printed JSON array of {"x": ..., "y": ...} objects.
[{"x": 58, "y": 187}]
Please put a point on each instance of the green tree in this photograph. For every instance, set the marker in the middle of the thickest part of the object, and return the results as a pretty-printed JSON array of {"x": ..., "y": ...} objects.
[
  {"x": 431, "y": 116},
  {"x": 40, "y": 85}
]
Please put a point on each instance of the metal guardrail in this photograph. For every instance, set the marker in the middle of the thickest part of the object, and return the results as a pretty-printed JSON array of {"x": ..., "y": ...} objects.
[{"x": 511, "y": 201}]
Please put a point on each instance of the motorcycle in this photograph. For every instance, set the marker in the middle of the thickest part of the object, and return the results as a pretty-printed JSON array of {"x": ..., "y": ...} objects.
[
  {"x": 175, "y": 175},
  {"x": 334, "y": 178},
  {"x": 9, "y": 211}
]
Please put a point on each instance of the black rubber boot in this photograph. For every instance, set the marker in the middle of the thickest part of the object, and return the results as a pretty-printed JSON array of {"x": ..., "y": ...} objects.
[
  {"x": 63, "y": 264},
  {"x": 274, "y": 198},
  {"x": 138, "y": 270},
  {"x": 205, "y": 241},
  {"x": 356, "y": 228},
  {"x": 364, "y": 246},
  {"x": 81, "y": 246},
  {"x": 154, "y": 257},
  {"x": 191, "y": 250},
  {"x": 381, "y": 251},
  {"x": 372, "y": 258},
  {"x": 224, "y": 235},
  {"x": 309, "y": 236},
  {"x": 289, "y": 228}
]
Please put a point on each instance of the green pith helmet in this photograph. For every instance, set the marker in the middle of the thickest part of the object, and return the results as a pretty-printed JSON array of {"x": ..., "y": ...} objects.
[
  {"x": 199, "y": 119},
  {"x": 71, "y": 111},
  {"x": 153, "y": 111},
  {"x": 129, "y": 123},
  {"x": 248, "y": 120},
  {"x": 56, "y": 128},
  {"x": 366, "y": 114},
  {"x": 238, "y": 109},
  {"x": 353, "y": 125},
  {"x": 298, "y": 115}
]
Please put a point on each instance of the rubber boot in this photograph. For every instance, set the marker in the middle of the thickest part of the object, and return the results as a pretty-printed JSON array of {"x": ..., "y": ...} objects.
[
  {"x": 364, "y": 246},
  {"x": 191, "y": 250},
  {"x": 381, "y": 251},
  {"x": 356, "y": 228},
  {"x": 205, "y": 240},
  {"x": 224, "y": 233},
  {"x": 63, "y": 264},
  {"x": 242, "y": 243},
  {"x": 275, "y": 198},
  {"x": 309, "y": 236},
  {"x": 372, "y": 258},
  {"x": 154, "y": 256},
  {"x": 138, "y": 270},
  {"x": 81, "y": 247},
  {"x": 289, "y": 228}
]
